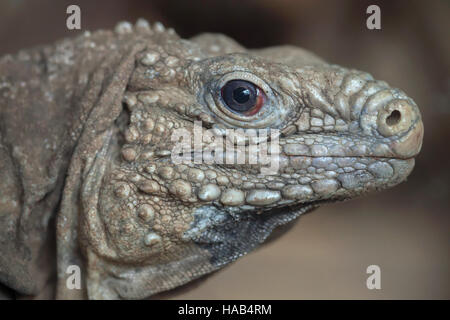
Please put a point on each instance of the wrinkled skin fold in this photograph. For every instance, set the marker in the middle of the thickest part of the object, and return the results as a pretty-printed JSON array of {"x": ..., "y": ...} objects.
[{"x": 86, "y": 143}]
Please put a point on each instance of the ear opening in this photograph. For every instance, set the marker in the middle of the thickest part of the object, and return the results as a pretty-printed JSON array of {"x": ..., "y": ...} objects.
[{"x": 122, "y": 123}]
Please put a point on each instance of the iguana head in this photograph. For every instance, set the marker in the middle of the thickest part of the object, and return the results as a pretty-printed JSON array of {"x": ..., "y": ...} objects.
[{"x": 171, "y": 205}]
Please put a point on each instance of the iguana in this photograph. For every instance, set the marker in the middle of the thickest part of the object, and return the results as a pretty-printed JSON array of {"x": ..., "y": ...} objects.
[{"x": 87, "y": 143}]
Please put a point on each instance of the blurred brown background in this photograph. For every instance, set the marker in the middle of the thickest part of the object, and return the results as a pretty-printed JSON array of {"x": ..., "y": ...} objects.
[{"x": 404, "y": 230}]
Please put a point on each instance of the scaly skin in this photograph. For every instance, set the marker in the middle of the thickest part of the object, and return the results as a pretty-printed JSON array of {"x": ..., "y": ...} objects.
[{"x": 86, "y": 139}]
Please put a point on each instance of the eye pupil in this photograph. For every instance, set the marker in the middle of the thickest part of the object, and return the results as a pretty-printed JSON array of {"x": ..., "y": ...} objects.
[{"x": 241, "y": 95}]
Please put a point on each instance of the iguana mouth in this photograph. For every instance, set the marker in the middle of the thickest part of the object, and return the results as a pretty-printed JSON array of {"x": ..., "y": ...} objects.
[{"x": 403, "y": 146}]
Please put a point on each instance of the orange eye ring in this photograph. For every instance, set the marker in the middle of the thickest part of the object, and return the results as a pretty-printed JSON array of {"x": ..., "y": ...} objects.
[{"x": 260, "y": 100}]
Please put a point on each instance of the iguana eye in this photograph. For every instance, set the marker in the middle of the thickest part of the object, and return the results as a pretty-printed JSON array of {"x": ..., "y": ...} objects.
[{"x": 242, "y": 97}]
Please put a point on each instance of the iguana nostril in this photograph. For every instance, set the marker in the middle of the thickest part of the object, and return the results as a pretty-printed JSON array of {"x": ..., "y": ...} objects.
[{"x": 394, "y": 118}]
